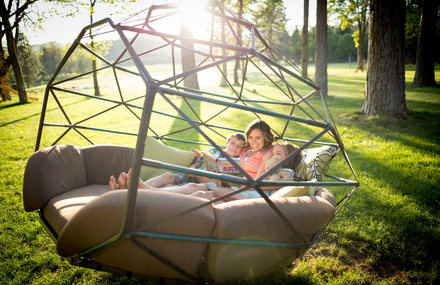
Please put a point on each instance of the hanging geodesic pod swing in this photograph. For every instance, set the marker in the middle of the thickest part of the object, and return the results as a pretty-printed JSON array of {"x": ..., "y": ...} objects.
[{"x": 164, "y": 89}]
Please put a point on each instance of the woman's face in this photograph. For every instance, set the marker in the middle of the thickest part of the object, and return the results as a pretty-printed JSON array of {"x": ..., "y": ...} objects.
[{"x": 256, "y": 140}]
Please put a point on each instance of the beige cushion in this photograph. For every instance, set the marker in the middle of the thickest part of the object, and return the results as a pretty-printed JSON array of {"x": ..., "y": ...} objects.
[
  {"x": 295, "y": 191},
  {"x": 253, "y": 219},
  {"x": 102, "y": 161},
  {"x": 58, "y": 169},
  {"x": 292, "y": 191},
  {"x": 156, "y": 211},
  {"x": 164, "y": 153},
  {"x": 52, "y": 171},
  {"x": 60, "y": 209}
]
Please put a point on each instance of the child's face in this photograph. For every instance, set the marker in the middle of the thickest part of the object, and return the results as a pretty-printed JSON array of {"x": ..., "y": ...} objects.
[
  {"x": 256, "y": 140},
  {"x": 234, "y": 146},
  {"x": 280, "y": 150}
]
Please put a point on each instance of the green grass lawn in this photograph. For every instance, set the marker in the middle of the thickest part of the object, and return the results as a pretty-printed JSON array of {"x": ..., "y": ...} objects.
[{"x": 388, "y": 233}]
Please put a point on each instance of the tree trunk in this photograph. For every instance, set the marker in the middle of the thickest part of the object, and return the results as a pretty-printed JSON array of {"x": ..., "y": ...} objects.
[
  {"x": 360, "y": 49},
  {"x": 5, "y": 64},
  {"x": 321, "y": 46},
  {"x": 92, "y": 46},
  {"x": 360, "y": 60},
  {"x": 223, "y": 81},
  {"x": 305, "y": 39},
  {"x": 95, "y": 78},
  {"x": 385, "y": 85},
  {"x": 239, "y": 40},
  {"x": 426, "y": 45},
  {"x": 13, "y": 55},
  {"x": 188, "y": 57}
]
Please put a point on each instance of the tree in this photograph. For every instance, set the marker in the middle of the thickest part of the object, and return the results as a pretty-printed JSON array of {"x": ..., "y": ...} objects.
[
  {"x": 29, "y": 61},
  {"x": 51, "y": 56},
  {"x": 239, "y": 5},
  {"x": 223, "y": 80},
  {"x": 412, "y": 22},
  {"x": 296, "y": 42},
  {"x": 321, "y": 46},
  {"x": 385, "y": 86},
  {"x": 93, "y": 47},
  {"x": 353, "y": 13},
  {"x": 426, "y": 46},
  {"x": 305, "y": 39},
  {"x": 270, "y": 19},
  {"x": 187, "y": 53},
  {"x": 119, "y": 5},
  {"x": 14, "y": 12}
]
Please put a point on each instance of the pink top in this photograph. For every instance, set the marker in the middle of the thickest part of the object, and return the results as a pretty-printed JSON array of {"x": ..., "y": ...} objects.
[{"x": 252, "y": 164}]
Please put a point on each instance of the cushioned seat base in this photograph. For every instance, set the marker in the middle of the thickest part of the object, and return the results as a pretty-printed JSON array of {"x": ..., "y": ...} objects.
[{"x": 60, "y": 209}]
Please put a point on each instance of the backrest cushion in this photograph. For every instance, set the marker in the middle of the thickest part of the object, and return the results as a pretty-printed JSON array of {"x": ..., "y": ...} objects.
[
  {"x": 102, "y": 161},
  {"x": 164, "y": 153},
  {"x": 52, "y": 171}
]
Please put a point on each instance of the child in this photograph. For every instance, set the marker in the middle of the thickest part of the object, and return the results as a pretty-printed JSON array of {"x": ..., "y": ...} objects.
[
  {"x": 281, "y": 148},
  {"x": 284, "y": 149},
  {"x": 234, "y": 145},
  {"x": 259, "y": 139}
]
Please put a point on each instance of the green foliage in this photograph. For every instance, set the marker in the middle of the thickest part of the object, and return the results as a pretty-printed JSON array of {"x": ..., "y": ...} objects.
[
  {"x": 51, "y": 55},
  {"x": 29, "y": 61},
  {"x": 388, "y": 233},
  {"x": 352, "y": 13},
  {"x": 412, "y": 22},
  {"x": 270, "y": 19}
]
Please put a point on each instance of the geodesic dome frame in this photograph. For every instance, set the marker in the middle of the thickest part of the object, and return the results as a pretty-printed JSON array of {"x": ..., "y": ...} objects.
[{"x": 242, "y": 44}]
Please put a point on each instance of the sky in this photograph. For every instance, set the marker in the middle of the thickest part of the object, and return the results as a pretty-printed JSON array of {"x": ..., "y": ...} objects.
[{"x": 66, "y": 29}]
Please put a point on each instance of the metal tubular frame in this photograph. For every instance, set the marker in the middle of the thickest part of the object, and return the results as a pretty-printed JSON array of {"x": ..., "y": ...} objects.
[{"x": 164, "y": 88}]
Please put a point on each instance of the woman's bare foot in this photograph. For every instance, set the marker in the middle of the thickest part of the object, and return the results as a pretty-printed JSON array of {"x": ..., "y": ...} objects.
[
  {"x": 120, "y": 183},
  {"x": 123, "y": 181},
  {"x": 113, "y": 184}
]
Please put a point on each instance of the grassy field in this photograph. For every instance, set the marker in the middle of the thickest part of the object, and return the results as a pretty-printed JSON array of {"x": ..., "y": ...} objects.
[{"x": 389, "y": 232}]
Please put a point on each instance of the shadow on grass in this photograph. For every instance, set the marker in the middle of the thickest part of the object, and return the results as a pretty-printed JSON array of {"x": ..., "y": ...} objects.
[
  {"x": 181, "y": 128},
  {"x": 35, "y": 114},
  {"x": 412, "y": 236},
  {"x": 13, "y": 105}
]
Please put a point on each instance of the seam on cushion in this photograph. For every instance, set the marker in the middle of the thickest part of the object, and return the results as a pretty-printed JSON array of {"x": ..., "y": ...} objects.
[
  {"x": 85, "y": 166},
  {"x": 203, "y": 262}
]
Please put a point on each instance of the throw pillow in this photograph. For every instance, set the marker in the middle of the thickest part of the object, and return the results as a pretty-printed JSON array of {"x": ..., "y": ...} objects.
[
  {"x": 156, "y": 150},
  {"x": 315, "y": 163}
]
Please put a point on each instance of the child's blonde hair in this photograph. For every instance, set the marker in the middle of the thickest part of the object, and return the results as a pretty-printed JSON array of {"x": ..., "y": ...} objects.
[{"x": 290, "y": 148}]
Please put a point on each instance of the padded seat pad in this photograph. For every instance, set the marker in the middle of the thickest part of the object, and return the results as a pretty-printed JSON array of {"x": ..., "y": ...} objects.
[
  {"x": 157, "y": 212},
  {"x": 254, "y": 219},
  {"x": 60, "y": 209}
]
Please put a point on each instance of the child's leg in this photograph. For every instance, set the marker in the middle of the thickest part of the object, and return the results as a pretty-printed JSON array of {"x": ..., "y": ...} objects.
[
  {"x": 186, "y": 188},
  {"x": 168, "y": 178},
  {"x": 220, "y": 191},
  {"x": 203, "y": 194}
]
